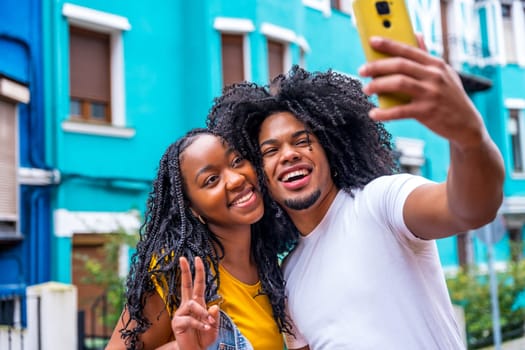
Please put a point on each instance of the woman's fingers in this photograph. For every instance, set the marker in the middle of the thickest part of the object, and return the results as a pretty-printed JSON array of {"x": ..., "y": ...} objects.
[
  {"x": 186, "y": 285},
  {"x": 182, "y": 324},
  {"x": 213, "y": 317},
  {"x": 194, "y": 325},
  {"x": 192, "y": 288},
  {"x": 192, "y": 294},
  {"x": 192, "y": 308},
  {"x": 199, "y": 284}
]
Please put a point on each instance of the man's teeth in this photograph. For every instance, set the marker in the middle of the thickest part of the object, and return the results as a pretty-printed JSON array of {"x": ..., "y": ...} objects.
[
  {"x": 243, "y": 199},
  {"x": 300, "y": 173}
]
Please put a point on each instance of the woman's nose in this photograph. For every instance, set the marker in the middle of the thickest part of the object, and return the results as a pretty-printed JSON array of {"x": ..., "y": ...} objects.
[{"x": 234, "y": 179}]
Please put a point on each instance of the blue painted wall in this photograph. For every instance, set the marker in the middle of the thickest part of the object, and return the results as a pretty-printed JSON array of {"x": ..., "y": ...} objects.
[{"x": 28, "y": 261}]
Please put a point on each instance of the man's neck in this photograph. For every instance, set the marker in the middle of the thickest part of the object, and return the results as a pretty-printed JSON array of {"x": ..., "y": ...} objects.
[{"x": 306, "y": 220}]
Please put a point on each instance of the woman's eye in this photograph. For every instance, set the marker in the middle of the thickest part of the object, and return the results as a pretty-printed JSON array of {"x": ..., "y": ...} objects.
[
  {"x": 237, "y": 161},
  {"x": 211, "y": 180}
]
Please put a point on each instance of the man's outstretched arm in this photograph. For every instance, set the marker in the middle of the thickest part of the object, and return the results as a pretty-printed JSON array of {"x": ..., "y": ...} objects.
[{"x": 473, "y": 191}]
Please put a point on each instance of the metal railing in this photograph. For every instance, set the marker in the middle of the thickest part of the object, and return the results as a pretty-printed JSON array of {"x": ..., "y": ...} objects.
[
  {"x": 12, "y": 325},
  {"x": 97, "y": 334}
]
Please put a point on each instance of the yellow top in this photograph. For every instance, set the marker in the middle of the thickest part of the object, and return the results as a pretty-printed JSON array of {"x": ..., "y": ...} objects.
[{"x": 250, "y": 312}]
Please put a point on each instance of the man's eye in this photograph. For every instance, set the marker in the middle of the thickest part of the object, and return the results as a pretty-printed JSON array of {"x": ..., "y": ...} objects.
[
  {"x": 303, "y": 142},
  {"x": 268, "y": 152}
]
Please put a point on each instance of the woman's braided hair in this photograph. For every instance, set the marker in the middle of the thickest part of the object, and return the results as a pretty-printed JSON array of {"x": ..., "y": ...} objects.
[
  {"x": 171, "y": 231},
  {"x": 331, "y": 105}
]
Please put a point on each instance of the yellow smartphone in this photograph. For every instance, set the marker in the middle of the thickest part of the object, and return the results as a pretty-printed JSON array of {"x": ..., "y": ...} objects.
[{"x": 389, "y": 19}]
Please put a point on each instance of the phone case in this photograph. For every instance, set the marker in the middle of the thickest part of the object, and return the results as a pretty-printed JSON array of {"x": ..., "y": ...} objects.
[{"x": 389, "y": 19}]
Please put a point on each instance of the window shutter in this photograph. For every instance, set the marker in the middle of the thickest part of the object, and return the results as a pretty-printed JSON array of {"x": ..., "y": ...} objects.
[
  {"x": 90, "y": 72},
  {"x": 8, "y": 163},
  {"x": 232, "y": 59},
  {"x": 275, "y": 58},
  {"x": 89, "y": 65}
]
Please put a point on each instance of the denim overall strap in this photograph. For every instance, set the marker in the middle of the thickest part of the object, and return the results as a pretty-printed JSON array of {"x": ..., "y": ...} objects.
[{"x": 229, "y": 338}]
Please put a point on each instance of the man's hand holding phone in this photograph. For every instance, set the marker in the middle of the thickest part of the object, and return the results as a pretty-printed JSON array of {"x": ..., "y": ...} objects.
[
  {"x": 437, "y": 98},
  {"x": 388, "y": 19}
]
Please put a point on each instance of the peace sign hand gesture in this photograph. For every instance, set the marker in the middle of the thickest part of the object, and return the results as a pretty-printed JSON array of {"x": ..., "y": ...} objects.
[{"x": 195, "y": 327}]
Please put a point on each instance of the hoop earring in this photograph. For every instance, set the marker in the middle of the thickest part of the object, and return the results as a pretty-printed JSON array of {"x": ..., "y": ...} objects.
[
  {"x": 201, "y": 219},
  {"x": 198, "y": 216}
]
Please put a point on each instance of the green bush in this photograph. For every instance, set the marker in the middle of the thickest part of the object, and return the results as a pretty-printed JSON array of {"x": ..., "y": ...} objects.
[{"x": 470, "y": 288}]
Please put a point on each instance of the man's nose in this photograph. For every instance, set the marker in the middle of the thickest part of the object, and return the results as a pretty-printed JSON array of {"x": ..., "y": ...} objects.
[{"x": 289, "y": 154}]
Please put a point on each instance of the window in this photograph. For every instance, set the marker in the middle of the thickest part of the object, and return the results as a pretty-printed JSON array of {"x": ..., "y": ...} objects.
[
  {"x": 232, "y": 58},
  {"x": 235, "y": 48},
  {"x": 342, "y": 5},
  {"x": 513, "y": 23},
  {"x": 11, "y": 93},
  {"x": 97, "y": 96},
  {"x": 335, "y": 4},
  {"x": 444, "y": 8},
  {"x": 304, "y": 49},
  {"x": 508, "y": 32},
  {"x": 278, "y": 46},
  {"x": 320, "y": 5},
  {"x": 516, "y": 126},
  {"x": 275, "y": 58},
  {"x": 8, "y": 168},
  {"x": 89, "y": 73},
  {"x": 411, "y": 155}
]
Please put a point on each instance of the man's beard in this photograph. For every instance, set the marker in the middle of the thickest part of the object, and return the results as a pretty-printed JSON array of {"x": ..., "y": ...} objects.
[{"x": 303, "y": 203}]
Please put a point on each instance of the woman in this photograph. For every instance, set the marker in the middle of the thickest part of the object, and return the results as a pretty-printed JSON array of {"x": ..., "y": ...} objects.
[{"x": 199, "y": 216}]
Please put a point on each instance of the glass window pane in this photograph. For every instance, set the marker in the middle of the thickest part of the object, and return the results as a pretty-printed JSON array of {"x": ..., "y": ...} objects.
[
  {"x": 232, "y": 59},
  {"x": 98, "y": 110},
  {"x": 275, "y": 58},
  {"x": 75, "y": 107}
]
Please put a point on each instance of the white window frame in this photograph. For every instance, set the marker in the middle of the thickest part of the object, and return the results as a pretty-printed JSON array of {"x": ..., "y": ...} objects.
[
  {"x": 287, "y": 37},
  {"x": 284, "y": 36},
  {"x": 346, "y": 7},
  {"x": 518, "y": 104},
  {"x": 114, "y": 25},
  {"x": 238, "y": 26},
  {"x": 13, "y": 93},
  {"x": 518, "y": 23},
  {"x": 304, "y": 50},
  {"x": 509, "y": 34},
  {"x": 320, "y": 5}
]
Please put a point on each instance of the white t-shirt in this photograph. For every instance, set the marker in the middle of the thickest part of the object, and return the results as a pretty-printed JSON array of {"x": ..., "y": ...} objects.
[{"x": 361, "y": 280}]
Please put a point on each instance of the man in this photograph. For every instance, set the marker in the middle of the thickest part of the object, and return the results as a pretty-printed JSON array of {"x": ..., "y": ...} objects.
[{"x": 365, "y": 273}]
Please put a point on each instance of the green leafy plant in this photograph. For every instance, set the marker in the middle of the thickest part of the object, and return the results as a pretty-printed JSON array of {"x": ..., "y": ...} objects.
[{"x": 470, "y": 288}]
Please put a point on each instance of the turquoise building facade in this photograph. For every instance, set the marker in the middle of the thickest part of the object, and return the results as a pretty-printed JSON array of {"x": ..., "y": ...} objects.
[
  {"x": 167, "y": 62},
  {"x": 99, "y": 89}
]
